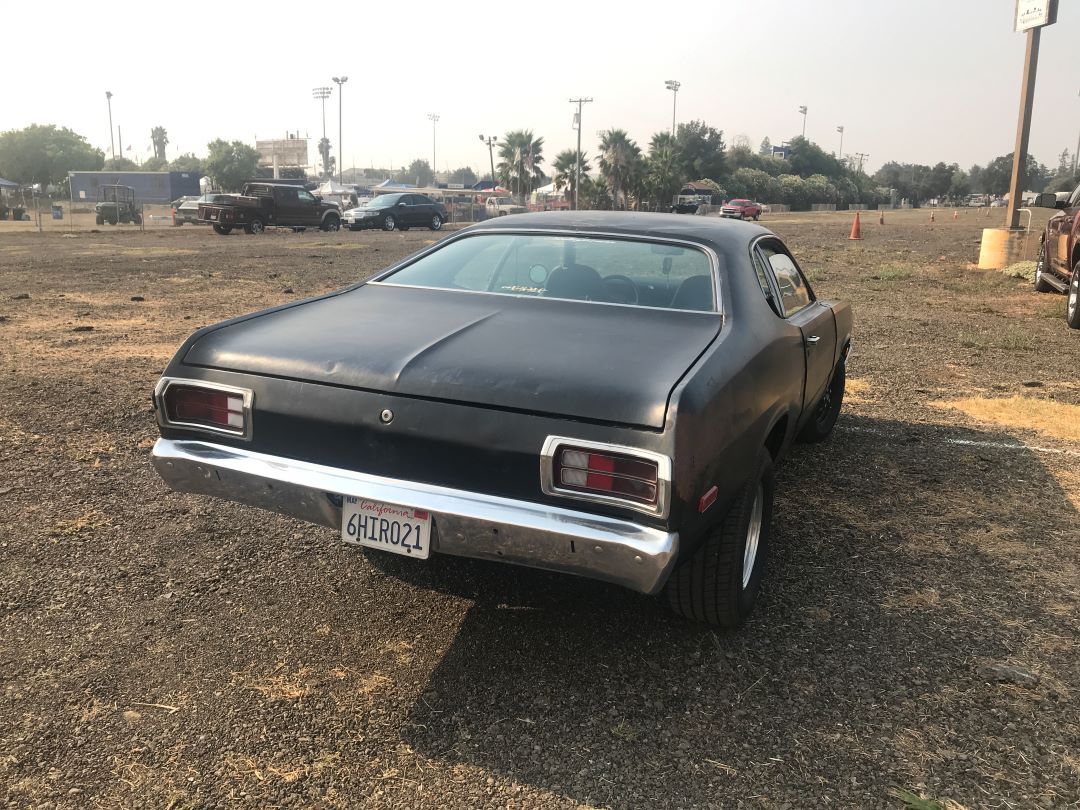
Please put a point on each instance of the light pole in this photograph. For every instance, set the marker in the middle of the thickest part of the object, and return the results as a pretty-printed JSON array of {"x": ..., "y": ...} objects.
[
  {"x": 434, "y": 119},
  {"x": 112, "y": 144},
  {"x": 577, "y": 157},
  {"x": 340, "y": 82},
  {"x": 673, "y": 86},
  {"x": 490, "y": 141},
  {"x": 323, "y": 93},
  {"x": 841, "y": 131},
  {"x": 1077, "y": 152},
  {"x": 802, "y": 110}
]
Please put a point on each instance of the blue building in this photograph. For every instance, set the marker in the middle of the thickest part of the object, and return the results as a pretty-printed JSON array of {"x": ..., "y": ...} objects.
[{"x": 150, "y": 187}]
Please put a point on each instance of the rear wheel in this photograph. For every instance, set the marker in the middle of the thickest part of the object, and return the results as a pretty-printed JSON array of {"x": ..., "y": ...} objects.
[
  {"x": 1041, "y": 284},
  {"x": 224, "y": 230},
  {"x": 436, "y": 223},
  {"x": 719, "y": 584},
  {"x": 99, "y": 219},
  {"x": 827, "y": 410},
  {"x": 389, "y": 223},
  {"x": 255, "y": 227},
  {"x": 1072, "y": 308}
]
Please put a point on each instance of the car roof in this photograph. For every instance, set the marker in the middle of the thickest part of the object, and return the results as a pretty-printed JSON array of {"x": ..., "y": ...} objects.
[{"x": 712, "y": 231}]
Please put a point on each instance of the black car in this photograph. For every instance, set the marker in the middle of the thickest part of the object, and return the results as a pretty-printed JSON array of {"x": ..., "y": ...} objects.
[
  {"x": 397, "y": 212},
  {"x": 601, "y": 394}
]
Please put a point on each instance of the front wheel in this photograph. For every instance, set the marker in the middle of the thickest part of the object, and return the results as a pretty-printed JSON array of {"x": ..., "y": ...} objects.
[
  {"x": 436, "y": 223},
  {"x": 827, "y": 410},
  {"x": 1072, "y": 309},
  {"x": 1041, "y": 284},
  {"x": 719, "y": 584},
  {"x": 757, "y": 217},
  {"x": 389, "y": 223},
  {"x": 224, "y": 230},
  {"x": 331, "y": 223},
  {"x": 99, "y": 219}
]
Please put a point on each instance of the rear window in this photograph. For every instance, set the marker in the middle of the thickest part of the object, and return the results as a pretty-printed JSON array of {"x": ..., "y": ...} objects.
[{"x": 579, "y": 268}]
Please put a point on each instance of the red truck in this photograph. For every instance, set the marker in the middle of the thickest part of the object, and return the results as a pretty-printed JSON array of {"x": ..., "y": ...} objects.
[
  {"x": 264, "y": 204},
  {"x": 1057, "y": 267}
]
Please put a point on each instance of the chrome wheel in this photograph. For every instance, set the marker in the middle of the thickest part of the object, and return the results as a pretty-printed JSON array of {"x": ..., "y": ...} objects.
[
  {"x": 1074, "y": 296},
  {"x": 753, "y": 536},
  {"x": 256, "y": 226},
  {"x": 389, "y": 223},
  {"x": 436, "y": 222}
]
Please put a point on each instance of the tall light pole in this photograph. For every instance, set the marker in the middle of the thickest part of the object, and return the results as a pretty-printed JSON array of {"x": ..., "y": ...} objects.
[
  {"x": 1077, "y": 152},
  {"x": 673, "y": 86},
  {"x": 434, "y": 119},
  {"x": 323, "y": 93},
  {"x": 112, "y": 143},
  {"x": 841, "y": 131},
  {"x": 490, "y": 141},
  {"x": 802, "y": 111},
  {"x": 577, "y": 157},
  {"x": 340, "y": 82}
]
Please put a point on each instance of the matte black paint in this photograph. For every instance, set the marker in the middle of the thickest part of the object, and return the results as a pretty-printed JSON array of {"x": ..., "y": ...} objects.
[{"x": 476, "y": 382}]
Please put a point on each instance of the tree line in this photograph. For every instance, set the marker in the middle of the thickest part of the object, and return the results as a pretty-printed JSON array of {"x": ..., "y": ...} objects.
[{"x": 621, "y": 175}]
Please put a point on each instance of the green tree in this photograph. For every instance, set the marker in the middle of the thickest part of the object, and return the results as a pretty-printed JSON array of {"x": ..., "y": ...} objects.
[
  {"x": 959, "y": 186},
  {"x": 230, "y": 165},
  {"x": 755, "y": 184},
  {"x": 765, "y": 150},
  {"x": 700, "y": 149},
  {"x": 792, "y": 191},
  {"x": 187, "y": 163},
  {"x": 566, "y": 166},
  {"x": 465, "y": 175},
  {"x": 160, "y": 138},
  {"x": 327, "y": 161},
  {"x": 619, "y": 164},
  {"x": 419, "y": 173},
  {"x": 662, "y": 168},
  {"x": 45, "y": 154},
  {"x": 595, "y": 194},
  {"x": 120, "y": 164},
  {"x": 806, "y": 158},
  {"x": 995, "y": 178},
  {"x": 155, "y": 164},
  {"x": 819, "y": 189},
  {"x": 520, "y": 156}
]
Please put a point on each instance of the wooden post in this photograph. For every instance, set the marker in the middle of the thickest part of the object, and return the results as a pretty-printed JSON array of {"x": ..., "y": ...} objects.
[{"x": 1023, "y": 129}]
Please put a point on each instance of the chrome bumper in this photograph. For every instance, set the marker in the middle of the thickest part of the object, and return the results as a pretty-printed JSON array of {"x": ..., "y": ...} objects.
[{"x": 467, "y": 524}]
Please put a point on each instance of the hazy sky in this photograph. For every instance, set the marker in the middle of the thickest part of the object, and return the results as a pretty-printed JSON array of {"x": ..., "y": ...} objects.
[{"x": 918, "y": 80}]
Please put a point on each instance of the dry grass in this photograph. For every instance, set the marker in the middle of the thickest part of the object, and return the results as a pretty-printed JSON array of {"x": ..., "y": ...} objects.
[
  {"x": 915, "y": 600},
  {"x": 283, "y": 686},
  {"x": 1057, "y": 419}
]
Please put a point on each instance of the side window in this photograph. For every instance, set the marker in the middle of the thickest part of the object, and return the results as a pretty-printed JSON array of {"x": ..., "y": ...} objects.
[
  {"x": 763, "y": 278},
  {"x": 305, "y": 197},
  {"x": 287, "y": 195},
  {"x": 794, "y": 291},
  {"x": 1074, "y": 200}
]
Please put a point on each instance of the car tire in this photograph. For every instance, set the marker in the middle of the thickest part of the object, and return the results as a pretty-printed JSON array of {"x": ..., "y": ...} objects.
[
  {"x": 331, "y": 223},
  {"x": 99, "y": 219},
  {"x": 1072, "y": 306},
  {"x": 224, "y": 230},
  {"x": 719, "y": 584},
  {"x": 757, "y": 217},
  {"x": 827, "y": 410},
  {"x": 137, "y": 219},
  {"x": 1041, "y": 284},
  {"x": 255, "y": 227},
  {"x": 389, "y": 223},
  {"x": 436, "y": 223}
]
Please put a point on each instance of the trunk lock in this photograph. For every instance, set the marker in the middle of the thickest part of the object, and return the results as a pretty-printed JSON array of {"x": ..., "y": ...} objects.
[{"x": 387, "y": 416}]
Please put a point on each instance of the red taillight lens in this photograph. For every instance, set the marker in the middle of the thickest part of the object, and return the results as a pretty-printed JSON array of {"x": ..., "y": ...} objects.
[
  {"x": 205, "y": 406},
  {"x": 613, "y": 474}
]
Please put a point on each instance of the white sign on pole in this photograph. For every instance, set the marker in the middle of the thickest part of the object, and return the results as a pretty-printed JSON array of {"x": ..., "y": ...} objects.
[{"x": 1034, "y": 13}]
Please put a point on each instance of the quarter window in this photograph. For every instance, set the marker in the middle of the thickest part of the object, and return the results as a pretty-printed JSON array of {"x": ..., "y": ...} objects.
[{"x": 795, "y": 293}]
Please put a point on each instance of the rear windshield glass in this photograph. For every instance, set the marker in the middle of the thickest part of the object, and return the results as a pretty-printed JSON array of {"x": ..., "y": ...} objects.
[{"x": 614, "y": 271}]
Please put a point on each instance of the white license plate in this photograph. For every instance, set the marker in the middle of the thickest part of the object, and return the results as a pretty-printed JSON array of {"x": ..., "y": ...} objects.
[{"x": 399, "y": 529}]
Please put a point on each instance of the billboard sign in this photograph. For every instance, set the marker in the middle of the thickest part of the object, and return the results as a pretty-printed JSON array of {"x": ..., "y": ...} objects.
[{"x": 1034, "y": 13}]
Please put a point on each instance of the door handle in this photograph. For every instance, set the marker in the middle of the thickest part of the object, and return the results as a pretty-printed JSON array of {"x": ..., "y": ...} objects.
[{"x": 813, "y": 339}]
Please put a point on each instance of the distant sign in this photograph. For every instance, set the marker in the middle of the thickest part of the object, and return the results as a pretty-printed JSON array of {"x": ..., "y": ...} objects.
[{"x": 1034, "y": 13}]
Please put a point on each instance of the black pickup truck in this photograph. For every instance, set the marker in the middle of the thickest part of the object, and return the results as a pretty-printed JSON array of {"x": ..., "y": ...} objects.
[{"x": 264, "y": 204}]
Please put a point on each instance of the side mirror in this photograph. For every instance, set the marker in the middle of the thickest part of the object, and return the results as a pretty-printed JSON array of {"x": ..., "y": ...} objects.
[
  {"x": 401, "y": 205},
  {"x": 1046, "y": 200}
]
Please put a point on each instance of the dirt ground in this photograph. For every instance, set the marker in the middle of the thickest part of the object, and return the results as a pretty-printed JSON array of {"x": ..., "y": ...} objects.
[{"x": 917, "y": 635}]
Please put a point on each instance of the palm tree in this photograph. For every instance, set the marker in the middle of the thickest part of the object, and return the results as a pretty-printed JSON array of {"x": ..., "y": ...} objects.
[
  {"x": 160, "y": 138},
  {"x": 662, "y": 169},
  {"x": 565, "y": 166},
  {"x": 620, "y": 160},
  {"x": 521, "y": 156}
]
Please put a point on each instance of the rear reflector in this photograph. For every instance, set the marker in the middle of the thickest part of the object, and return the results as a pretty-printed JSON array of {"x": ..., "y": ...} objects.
[
  {"x": 605, "y": 473},
  {"x": 209, "y": 407}
]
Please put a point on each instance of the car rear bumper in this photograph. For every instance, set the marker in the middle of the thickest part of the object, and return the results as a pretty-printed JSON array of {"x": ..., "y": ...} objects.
[{"x": 467, "y": 524}]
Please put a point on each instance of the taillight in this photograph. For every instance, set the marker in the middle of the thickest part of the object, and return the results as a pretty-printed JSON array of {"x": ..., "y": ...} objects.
[
  {"x": 220, "y": 409},
  {"x": 606, "y": 473}
]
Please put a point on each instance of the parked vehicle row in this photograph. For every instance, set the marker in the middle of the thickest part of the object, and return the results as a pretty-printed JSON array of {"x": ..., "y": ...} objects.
[
  {"x": 1057, "y": 267},
  {"x": 596, "y": 393},
  {"x": 398, "y": 212},
  {"x": 186, "y": 209},
  {"x": 265, "y": 204}
]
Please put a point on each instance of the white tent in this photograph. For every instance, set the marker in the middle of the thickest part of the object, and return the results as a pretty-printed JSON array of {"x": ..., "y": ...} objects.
[{"x": 331, "y": 187}]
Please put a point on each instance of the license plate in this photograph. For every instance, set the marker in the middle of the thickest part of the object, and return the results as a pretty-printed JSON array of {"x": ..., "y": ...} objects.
[
  {"x": 399, "y": 529},
  {"x": 213, "y": 215}
]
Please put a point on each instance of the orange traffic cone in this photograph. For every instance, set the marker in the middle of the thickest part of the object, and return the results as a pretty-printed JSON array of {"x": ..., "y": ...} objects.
[
  {"x": 931, "y": 216},
  {"x": 881, "y": 217},
  {"x": 856, "y": 228},
  {"x": 954, "y": 215}
]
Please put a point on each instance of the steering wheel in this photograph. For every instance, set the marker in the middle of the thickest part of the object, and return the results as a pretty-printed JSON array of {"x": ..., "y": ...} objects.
[{"x": 623, "y": 291}]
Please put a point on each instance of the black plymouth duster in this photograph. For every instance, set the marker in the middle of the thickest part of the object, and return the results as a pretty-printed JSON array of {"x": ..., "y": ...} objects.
[{"x": 602, "y": 394}]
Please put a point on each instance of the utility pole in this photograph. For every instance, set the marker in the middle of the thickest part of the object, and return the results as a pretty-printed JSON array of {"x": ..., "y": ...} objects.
[
  {"x": 112, "y": 144},
  {"x": 861, "y": 156},
  {"x": 577, "y": 157},
  {"x": 340, "y": 82},
  {"x": 1023, "y": 129},
  {"x": 673, "y": 86},
  {"x": 323, "y": 93},
  {"x": 841, "y": 131},
  {"x": 490, "y": 141},
  {"x": 1077, "y": 152},
  {"x": 802, "y": 111},
  {"x": 434, "y": 119}
]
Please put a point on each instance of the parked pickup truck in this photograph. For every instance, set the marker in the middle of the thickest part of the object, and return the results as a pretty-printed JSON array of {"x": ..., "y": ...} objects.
[
  {"x": 1057, "y": 267},
  {"x": 501, "y": 206},
  {"x": 263, "y": 204}
]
